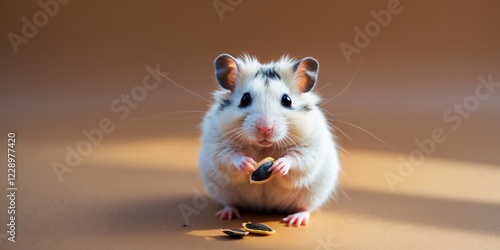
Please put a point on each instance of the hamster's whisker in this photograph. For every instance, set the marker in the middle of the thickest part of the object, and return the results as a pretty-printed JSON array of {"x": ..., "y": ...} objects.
[
  {"x": 285, "y": 142},
  {"x": 346, "y": 195},
  {"x": 236, "y": 135},
  {"x": 343, "y": 149},
  {"x": 281, "y": 143},
  {"x": 300, "y": 140},
  {"x": 167, "y": 113},
  {"x": 347, "y": 86},
  {"x": 239, "y": 136},
  {"x": 324, "y": 86},
  {"x": 335, "y": 127},
  {"x": 184, "y": 88},
  {"x": 364, "y": 130},
  {"x": 229, "y": 138},
  {"x": 292, "y": 140},
  {"x": 224, "y": 135},
  {"x": 330, "y": 113},
  {"x": 239, "y": 141},
  {"x": 188, "y": 130}
]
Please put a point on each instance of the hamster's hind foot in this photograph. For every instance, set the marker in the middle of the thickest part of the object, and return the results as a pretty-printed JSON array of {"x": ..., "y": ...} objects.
[
  {"x": 228, "y": 212},
  {"x": 297, "y": 219}
]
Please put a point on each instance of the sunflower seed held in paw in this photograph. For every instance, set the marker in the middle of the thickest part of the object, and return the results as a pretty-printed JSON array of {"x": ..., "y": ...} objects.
[{"x": 260, "y": 174}]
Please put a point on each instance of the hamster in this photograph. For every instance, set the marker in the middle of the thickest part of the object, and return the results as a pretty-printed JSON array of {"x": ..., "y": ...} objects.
[{"x": 268, "y": 110}]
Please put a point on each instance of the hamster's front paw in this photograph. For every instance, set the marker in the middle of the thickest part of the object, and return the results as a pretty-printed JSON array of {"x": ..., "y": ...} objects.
[
  {"x": 281, "y": 166},
  {"x": 297, "y": 219},
  {"x": 243, "y": 163},
  {"x": 228, "y": 212}
]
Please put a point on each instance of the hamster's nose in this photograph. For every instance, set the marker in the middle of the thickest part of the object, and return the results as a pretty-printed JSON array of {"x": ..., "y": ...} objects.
[{"x": 265, "y": 130}]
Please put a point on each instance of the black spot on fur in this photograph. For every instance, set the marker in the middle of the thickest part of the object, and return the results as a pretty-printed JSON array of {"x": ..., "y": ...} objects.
[
  {"x": 225, "y": 103},
  {"x": 305, "y": 108},
  {"x": 268, "y": 73}
]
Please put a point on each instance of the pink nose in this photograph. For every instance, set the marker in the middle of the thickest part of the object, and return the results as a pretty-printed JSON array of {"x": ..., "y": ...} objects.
[{"x": 265, "y": 130}]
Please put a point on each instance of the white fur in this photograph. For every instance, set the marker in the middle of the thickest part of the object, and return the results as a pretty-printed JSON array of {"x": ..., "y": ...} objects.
[{"x": 302, "y": 138}]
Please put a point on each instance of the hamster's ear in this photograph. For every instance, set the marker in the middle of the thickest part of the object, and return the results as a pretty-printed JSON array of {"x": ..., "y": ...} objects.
[
  {"x": 226, "y": 71},
  {"x": 306, "y": 73}
]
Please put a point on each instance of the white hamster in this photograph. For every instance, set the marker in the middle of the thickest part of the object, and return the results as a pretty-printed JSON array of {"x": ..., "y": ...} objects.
[{"x": 268, "y": 110}]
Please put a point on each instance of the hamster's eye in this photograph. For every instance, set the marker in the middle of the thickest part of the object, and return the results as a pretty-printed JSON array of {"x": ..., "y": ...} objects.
[
  {"x": 286, "y": 101},
  {"x": 246, "y": 100}
]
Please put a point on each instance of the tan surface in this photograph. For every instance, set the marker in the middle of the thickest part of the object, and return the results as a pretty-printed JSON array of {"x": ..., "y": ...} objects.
[{"x": 126, "y": 193}]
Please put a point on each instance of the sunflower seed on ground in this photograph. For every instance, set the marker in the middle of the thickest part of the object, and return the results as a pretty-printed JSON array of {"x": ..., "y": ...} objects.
[
  {"x": 235, "y": 232},
  {"x": 257, "y": 228}
]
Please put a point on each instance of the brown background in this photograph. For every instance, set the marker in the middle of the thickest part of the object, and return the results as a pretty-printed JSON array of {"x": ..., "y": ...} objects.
[{"x": 126, "y": 193}]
